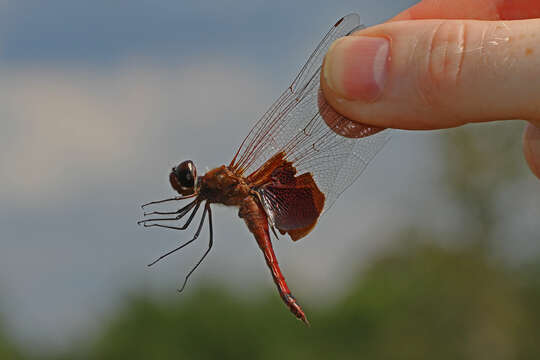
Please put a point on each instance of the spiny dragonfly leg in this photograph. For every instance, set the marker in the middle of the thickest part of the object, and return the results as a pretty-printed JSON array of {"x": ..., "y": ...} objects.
[
  {"x": 210, "y": 244},
  {"x": 179, "y": 211},
  {"x": 176, "y": 198},
  {"x": 187, "y": 242},
  {"x": 184, "y": 212}
]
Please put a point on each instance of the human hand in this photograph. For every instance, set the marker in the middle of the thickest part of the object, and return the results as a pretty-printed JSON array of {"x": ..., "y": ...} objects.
[{"x": 418, "y": 73}]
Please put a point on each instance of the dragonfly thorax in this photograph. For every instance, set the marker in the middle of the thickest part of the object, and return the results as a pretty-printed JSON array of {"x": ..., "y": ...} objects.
[{"x": 221, "y": 185}]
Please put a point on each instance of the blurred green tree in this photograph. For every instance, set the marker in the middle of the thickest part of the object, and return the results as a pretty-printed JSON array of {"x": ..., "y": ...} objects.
[
  {"x": 416, "y": 302},
  {"x": 8, "y": 349},
  {"x": 480, "y": 163}
]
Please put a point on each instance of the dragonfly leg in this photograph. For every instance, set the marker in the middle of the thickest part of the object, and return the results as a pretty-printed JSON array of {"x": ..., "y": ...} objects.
[
  {"x": 206, "y": 208},
  {"x": 183, "y": 212},
  {"x": 210, "y": 244},
  {"x": 176, "y": 198},
  {"x": 180, "y": 211}
]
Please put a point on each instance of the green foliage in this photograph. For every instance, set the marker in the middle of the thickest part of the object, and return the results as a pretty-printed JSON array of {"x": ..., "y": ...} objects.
[
  {"x": 422, "y": 302},
  {"x": 7, "y": 348},
  {"x": 210, "y": 324},
  {"x": 437, "y": 303},
  {"x": 480, "y": 163}
]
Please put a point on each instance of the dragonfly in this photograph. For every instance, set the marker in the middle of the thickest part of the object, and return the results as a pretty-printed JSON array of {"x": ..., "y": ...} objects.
[{"x": 291, "y": 167}]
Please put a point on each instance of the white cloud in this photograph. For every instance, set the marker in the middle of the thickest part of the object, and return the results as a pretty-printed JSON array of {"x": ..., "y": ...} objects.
[{"x": 64, "y": 126}]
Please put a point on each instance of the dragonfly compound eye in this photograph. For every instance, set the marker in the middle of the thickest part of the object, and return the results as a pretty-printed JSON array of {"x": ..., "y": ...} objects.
[
  {"x": 183, "y": 177},
  {"x": 186, "y": 173}
]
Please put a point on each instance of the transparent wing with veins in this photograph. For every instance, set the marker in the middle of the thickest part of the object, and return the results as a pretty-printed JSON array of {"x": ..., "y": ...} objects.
[{"x": 295, "y": 126}]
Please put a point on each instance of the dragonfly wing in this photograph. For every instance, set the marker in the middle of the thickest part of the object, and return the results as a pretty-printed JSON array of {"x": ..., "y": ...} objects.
[
  {"x": 313, "y": 137},
  {"x": 292, "y": 202}
]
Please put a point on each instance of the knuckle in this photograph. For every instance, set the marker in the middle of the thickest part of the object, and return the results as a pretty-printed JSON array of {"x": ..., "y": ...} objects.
[{"x": 442, "y": 61}]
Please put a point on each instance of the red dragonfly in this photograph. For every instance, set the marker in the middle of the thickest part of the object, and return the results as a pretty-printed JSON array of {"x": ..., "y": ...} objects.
[{"x": 293, "y": 164}]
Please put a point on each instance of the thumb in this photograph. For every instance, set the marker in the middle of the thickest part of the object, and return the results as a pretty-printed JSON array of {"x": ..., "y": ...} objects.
[{"x": 429, "y": 74}]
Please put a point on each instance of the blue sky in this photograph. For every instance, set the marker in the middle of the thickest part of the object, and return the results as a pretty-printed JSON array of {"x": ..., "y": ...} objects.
[
  {"x": 99, "y": 99},
  {"x": 105, "y": 31}
]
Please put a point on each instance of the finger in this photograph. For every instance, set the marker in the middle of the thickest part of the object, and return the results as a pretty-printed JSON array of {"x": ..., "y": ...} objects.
[
  {"x": 429, "y": 74},
  {"x": 531, "y": 148},
  {"x": 467, "y": 9}
]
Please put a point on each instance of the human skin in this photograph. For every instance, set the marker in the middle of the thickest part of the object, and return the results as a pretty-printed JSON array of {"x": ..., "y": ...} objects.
[{"x": 442, "y": 64}]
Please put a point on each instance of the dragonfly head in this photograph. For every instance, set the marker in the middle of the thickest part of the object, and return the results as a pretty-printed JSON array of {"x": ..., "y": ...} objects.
[{"x": 183, "y": 178}]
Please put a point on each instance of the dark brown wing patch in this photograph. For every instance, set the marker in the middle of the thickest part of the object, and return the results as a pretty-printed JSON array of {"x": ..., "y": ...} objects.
[{"x": 294, "y": 202}]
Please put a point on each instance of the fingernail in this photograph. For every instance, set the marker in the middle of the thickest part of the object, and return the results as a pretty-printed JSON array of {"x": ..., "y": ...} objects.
[{"x": 355, "y": 67}]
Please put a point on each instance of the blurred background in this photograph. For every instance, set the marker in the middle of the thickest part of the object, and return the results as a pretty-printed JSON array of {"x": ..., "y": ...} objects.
[{"x": 432, "y": 253}]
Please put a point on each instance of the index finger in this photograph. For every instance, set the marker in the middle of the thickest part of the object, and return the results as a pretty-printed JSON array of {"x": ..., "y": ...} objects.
[{"x": 477, "y": 9}]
